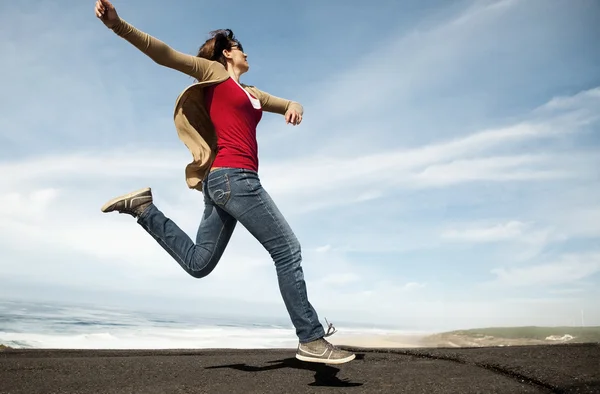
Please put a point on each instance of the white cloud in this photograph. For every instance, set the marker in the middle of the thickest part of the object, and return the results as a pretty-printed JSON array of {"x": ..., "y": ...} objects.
[
  {"x": 91, "y": 165},
  {"x": 566, "y": 270},
  {"x": 332, "y": 181},
  {"x": 27, "y": 205},
  {"x": 498, "y": 232},
  {"x": 340, "y": 279},
  {"x": 582, "y": 220},
  {"x": 492, "y": 169},
  {"x": 323, "y": 249},
  {"x": 577, "y": 101},
  {"x": 413, "y": 286}
]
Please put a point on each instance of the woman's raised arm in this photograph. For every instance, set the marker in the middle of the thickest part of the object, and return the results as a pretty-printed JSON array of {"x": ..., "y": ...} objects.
[{"x": 154, "y": 48}]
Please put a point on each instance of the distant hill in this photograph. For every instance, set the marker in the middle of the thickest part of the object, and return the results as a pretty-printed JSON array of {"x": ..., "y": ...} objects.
[{"x": 513, "y": 336}]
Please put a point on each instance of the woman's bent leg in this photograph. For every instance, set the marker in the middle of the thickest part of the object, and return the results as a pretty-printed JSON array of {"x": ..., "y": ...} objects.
[{"x": 200, "y": 258}]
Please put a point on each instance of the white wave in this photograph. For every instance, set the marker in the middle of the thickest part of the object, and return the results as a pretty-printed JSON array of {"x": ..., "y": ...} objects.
[
  {"x": 153, "y": 338},
  {"x": 76, "y": 327},
  {"x": 167, "y": 338}
]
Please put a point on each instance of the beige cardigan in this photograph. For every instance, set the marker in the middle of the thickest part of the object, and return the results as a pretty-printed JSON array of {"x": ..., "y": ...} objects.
[{"x": 191, "y": 118}]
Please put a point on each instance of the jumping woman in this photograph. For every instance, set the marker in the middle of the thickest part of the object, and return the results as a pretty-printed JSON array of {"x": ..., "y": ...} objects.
[{"x": 216, "y": 118}]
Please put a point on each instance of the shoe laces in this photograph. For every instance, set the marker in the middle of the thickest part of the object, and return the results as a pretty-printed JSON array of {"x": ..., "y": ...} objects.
[{"x": 330, "y": 329}]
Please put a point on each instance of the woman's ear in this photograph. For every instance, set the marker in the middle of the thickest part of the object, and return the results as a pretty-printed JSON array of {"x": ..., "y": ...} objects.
[{"x": 227, "y": 54}]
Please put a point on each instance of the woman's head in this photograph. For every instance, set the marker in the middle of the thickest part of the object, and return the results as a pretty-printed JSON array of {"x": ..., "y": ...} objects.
[{"x": 223, "y": 47}]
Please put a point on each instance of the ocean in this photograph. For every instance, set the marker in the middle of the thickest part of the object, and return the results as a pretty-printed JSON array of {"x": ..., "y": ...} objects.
[{"x": 60, "y": 326}]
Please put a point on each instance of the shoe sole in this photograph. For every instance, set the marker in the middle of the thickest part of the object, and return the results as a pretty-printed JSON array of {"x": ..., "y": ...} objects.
[
  {"x": 324, "y": 360},
  {"x": 123, "y": 197}
]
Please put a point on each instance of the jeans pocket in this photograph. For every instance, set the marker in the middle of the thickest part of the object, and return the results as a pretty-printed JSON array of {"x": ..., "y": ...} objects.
[{"x": 219, "y": 189}]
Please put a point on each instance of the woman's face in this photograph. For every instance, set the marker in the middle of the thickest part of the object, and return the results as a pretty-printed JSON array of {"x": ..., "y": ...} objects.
[{"x": 238, "y": 58}]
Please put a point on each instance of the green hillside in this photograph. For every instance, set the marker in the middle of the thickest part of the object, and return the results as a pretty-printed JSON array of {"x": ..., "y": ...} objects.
[{"x": 581, "y": 334}]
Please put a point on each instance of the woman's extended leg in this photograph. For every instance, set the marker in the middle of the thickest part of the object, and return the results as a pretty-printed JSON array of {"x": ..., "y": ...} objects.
[
  {"x": 197, "y": 259},
  {"x": 240, "y": 193}
]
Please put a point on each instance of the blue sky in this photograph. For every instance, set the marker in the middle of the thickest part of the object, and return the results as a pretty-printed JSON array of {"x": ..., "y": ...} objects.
[{"x": 446, "y": 173}]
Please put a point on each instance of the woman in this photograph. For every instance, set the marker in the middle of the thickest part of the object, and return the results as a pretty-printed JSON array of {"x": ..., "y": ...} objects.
[{"x": 216, "y": 118}]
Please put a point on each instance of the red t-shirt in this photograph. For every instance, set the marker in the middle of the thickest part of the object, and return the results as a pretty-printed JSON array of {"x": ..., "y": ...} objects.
[{"x": 235, "y": 115}]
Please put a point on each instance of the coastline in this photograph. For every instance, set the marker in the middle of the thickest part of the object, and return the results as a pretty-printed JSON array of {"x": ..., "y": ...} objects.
[
  {"x": 475, "y": 338},
  {"x": 390, "y": 341}
]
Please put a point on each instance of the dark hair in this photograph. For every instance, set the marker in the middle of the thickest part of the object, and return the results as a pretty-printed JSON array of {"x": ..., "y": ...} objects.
[{"x": 220, "y": 40}]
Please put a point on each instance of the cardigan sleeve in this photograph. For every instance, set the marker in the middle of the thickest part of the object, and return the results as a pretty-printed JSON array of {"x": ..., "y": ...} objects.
[
  {"x": 163, "y": 54},
  {"x": 275, "y": 104}
]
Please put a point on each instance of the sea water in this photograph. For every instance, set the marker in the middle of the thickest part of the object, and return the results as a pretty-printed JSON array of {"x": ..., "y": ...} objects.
[{"x": 59, "y": 326}]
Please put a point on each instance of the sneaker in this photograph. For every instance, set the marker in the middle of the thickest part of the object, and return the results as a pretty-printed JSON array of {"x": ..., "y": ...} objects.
[
  {"x": 321, "y": 351},
  {"x": 134, "y": 203}
]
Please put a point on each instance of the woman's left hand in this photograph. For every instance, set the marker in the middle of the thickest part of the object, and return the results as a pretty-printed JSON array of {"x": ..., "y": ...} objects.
[{"x": 293, "y": 117}]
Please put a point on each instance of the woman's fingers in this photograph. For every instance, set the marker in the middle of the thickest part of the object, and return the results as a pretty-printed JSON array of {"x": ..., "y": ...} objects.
[
  {"x": 106, "y": 3},
  {"x": 293, "y": 117},
  {"x": 99, "y": 9}
]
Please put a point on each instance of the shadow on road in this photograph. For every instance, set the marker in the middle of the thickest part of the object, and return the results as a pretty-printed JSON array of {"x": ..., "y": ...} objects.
[{"x": 325, "y": 375}]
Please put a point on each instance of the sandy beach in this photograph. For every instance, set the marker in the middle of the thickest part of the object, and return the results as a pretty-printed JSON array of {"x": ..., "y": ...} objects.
[{"x": 394, "y": 341}]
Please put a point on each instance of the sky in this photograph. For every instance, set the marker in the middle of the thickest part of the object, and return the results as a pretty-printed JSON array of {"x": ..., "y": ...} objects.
[{"x": 446, "y": 173}]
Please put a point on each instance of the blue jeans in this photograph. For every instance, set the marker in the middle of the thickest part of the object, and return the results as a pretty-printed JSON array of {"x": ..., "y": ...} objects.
[{"x": 234, "y": 195}]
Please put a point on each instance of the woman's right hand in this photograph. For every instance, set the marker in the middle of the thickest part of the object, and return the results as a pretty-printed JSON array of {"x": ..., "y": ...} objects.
[{"x": 107, "y": 13}]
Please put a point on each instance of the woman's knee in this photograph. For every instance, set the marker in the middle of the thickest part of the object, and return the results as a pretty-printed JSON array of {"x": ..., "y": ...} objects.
[
  {"x": 201, "y": 269},
  {"x": 290, "y": 255},
  {"x": 198, "y": 274}
]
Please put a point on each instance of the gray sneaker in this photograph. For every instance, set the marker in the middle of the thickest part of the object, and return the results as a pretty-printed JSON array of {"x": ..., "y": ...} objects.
[
  {"x": 134, "y": 203},
  {"x": 321, "y": 351}
]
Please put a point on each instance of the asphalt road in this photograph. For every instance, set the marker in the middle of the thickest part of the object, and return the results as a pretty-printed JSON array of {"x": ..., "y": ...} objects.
[{"x": 527, "y": 369}]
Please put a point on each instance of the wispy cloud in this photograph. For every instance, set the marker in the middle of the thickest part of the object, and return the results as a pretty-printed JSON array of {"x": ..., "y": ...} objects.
[
  {"x": 567, "y": 270},
  {"x": 466, "y": 159},
  {"x": 498, "y": 232}
]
